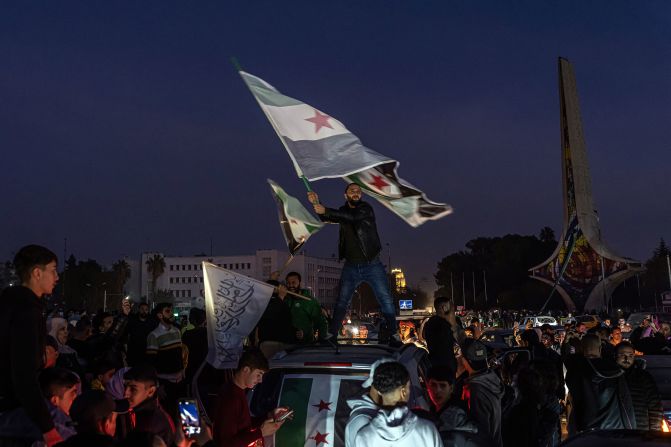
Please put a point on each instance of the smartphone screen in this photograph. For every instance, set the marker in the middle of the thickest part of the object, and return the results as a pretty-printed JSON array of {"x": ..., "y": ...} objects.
[{"x": 189, "y": 417}]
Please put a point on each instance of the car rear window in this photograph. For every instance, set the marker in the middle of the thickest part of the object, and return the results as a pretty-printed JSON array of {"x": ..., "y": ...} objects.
[{"x": 318, "y": 398}]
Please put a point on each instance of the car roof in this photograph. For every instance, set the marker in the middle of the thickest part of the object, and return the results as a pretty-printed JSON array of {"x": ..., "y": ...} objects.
[{"x": 346, "y": 356}]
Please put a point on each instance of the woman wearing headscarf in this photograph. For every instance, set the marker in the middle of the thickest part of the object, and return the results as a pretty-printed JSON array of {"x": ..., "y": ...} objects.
[{"x": 57, "y": 327}]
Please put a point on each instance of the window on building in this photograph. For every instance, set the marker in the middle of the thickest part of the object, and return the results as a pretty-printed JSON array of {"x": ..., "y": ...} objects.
[
  {"x": 266, "y": 260},
  {"x": 195, "y": 267},
  {"x": 249, "y": 266},
  {"x": 183, "y": 280},
  {"x": 237, "y": 266},
  {"x": 170, "y": 280},
  {"x": 171, "y": 266},
  {"x": 189, "y": 293}
]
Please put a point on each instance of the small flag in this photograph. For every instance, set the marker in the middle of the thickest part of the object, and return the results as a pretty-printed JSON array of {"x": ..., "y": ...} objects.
[
  {"x": 321, "y": 147},
  {"x": 234, "y": 304},
  {"x": 320, "y": 409},
  {"x": 296, "y": 222}
]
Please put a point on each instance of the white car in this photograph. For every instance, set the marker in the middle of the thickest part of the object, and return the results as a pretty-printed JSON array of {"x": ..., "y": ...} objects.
[
  {"x": 316, "y": 381},
  {"x": 538, "y": 321}
]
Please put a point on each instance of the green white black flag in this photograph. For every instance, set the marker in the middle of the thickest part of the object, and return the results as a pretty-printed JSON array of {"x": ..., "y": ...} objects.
[
  {"x": 321, "y": 147},
  {"x": 296, "y": 222}
]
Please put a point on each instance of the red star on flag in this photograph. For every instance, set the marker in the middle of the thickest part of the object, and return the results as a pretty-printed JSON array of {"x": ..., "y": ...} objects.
[
  {"x": 323, "y": 405},
  {"x": 378, "y": 182},
  {"x": 320, "y": 120},
  {"x": 320, "y": 438}
]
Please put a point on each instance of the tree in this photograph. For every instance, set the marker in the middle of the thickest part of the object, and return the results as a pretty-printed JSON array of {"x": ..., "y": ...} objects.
[
  {"x": 547, "y": 235},
  {"x": 504, "y": 263},
  {"x": 121, "y": 271},
  {"x": 155, "y": 267}
]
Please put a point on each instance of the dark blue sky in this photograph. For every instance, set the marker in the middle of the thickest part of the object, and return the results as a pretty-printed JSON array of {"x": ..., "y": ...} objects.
[{"x": 124, "y": 128}]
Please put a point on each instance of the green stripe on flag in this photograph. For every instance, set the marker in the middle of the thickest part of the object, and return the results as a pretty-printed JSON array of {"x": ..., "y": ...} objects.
[
  {"x": 266, "y": 93},
  {"x": 295, "y": 395}
]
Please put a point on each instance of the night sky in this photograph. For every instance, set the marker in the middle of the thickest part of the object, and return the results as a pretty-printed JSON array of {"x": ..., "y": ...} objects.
[{"x": 124, "y": 128}]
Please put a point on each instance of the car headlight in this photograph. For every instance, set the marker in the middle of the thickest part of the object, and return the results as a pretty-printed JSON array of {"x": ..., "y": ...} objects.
[
  {"x": 355, "y": 330},
  {"x": 666, "y": 422}
]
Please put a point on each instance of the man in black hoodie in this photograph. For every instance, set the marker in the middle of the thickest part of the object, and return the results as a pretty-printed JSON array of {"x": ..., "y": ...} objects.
[
  {"x": 22, "y": 346},
  {"x": 599, "y": 392}
]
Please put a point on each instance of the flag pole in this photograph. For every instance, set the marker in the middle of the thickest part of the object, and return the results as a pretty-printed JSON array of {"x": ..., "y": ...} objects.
[{"x": 299, "y": 172}]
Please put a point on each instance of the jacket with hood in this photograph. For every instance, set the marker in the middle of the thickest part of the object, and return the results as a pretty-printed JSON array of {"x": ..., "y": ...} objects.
[
  {"x": 363, "y": 410},
  {"x": 456, "y": 428},
  {"x": 599, "y": 394},
  {"x": 483, "y": 392},
  {"x": 398, "y": 427}
]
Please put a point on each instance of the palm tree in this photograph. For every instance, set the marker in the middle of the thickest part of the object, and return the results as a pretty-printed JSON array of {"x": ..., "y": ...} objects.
[
  {"x": 121, "y": 271},
  {"x": 155, "y": 267}
]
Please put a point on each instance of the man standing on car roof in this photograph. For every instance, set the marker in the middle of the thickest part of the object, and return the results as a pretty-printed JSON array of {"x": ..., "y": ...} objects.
[{"x": 359, "y": 244}]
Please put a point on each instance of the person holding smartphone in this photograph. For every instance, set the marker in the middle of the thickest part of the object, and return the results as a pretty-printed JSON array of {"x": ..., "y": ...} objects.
[{"x": 233, "y": 424}]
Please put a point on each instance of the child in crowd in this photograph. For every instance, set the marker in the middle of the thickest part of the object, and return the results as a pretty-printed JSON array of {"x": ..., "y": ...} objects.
[{"x": 60, "y": 387}]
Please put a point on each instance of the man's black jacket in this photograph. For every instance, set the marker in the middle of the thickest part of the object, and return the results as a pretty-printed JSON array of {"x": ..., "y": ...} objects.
[
  {"x": 362, "y": 219},
  {"x": 22, "y": 346}
]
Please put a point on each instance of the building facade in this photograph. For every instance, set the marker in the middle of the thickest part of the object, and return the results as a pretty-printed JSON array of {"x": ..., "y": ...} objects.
[{"x": 182, "y": 276}]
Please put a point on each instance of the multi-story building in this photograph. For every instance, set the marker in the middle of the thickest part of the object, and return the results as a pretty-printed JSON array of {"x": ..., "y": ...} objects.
[
  {"x": 399, "y": 280},
  {"x": 182, "y": 276}
]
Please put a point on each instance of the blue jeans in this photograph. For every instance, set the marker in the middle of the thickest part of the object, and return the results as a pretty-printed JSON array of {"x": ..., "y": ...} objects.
[{"x": 354, "y": 274}]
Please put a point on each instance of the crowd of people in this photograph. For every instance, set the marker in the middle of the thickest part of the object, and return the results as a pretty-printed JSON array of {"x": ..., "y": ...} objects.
[{"x": 116, "y": 379}]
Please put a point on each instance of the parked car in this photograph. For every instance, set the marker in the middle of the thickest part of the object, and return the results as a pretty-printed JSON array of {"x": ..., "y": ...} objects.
[
  {"x": 316, "y": 382},
  {"x": 538, "y": 321},
  {"x": 498, "y": 338}
]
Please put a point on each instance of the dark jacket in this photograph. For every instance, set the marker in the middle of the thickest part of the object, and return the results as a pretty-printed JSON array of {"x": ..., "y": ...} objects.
[
  {"x": 645, "y": 397},
  {"x": 88, "y": 440},
  {"x": 138, "y": 331},
  {"x": 599, "y": 394},
  {"x": 440, "y": 342},
  {"x": 275, "y": 323},
  {"x": 196, "y": 341},
  {"x": 152, "y": 418},
  {"x": 22, "y": 345},
  {"x": 362, "y": 219},
  {"x": 483, "y": 392}
]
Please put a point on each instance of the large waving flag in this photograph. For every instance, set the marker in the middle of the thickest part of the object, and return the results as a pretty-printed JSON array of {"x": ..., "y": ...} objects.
[
  {"x": 296, "y": 222},
  {"x": 321, "y": 147},
  {"x": 234, "y": 304}
]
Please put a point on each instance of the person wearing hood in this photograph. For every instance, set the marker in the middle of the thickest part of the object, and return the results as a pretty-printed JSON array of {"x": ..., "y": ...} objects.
[
  {"x": 365, "y": 407},
  {"x": 449, "y": 413},
  {"x": 645, "y": 396},
  {"x": 395, "y": 424},
  {"x": 482, "y": 390},
  {"x": 57, "y": 327},
  {"x": 599, "y": 393}
]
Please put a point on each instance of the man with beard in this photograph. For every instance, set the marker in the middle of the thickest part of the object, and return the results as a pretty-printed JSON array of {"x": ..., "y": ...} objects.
[
  {"x": 359, "y": 245},
  {"x": 642, "y": 388},
  {"x": 139, "y": 327},
  {"x": 306, "y": 314},
  {"x": 23, "y": 408}
]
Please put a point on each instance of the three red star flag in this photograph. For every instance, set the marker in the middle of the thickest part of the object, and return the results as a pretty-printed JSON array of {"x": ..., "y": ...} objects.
[
  {"x": 234, "y": 304},
  {"x": 321, "y": 147},
  {"x": 296, "y": 222},
  {"x": 320, "y": 409}
]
